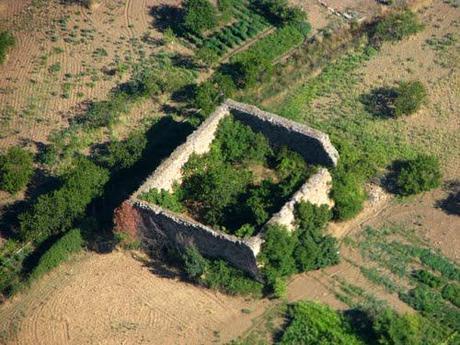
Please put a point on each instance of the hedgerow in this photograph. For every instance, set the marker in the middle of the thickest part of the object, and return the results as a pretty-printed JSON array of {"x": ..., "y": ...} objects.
[
  {"x": 7, "y": 41},
  {"x": 70, "y": 243},
  {"x": 16, "y": 169},
  {"x": 427, "y": 278},
  {"x": 55, "y": 212},
  {"x": 451, "y": 293}
]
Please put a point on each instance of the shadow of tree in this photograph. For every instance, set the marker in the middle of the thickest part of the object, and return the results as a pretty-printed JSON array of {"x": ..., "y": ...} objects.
[
  {"x": 167, "y": 16},
  {"x": 451, "y": 204},
  {"x": 361, "y": 323},
  {"x": 162, "y": 138},
  {"x": 379, "y": 102}
]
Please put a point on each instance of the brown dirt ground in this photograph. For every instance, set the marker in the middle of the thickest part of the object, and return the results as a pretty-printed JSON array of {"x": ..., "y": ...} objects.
[{"x": 115, "y": 299}]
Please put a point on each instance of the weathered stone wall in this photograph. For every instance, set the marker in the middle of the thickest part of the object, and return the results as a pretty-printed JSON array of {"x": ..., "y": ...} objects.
[
  {"x": 151, "y": 220},
  {"x": 170, "y": 170},
  {"x": 185, "y": 231},
  {"x": 315, "y": 190},
  {"x": 313, "y": 145}
]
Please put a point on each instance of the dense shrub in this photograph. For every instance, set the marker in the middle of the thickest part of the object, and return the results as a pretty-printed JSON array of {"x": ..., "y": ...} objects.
[
  {"x": 427, "y": 278},
  {"x": 163, "y": 198},
  {"x": 239, "y": 143},
  {"x": 419, "y": 175},
  {"x": 395, "y": 27},
  {"x": 16, "y": 168},
  {"x": 315, "y": 324},
  {"x": 7, "y": 41},
  {"x": 348, "y": 180},
  {"x": 123, "y": 154},
  {"x": 105, "y": 113},
  {"x": 409, "y": 98},
  {"x": 206, "y": 97},
  {"x": 218, "y": 275},
  {"x": 313, "y": 250},
  {"x": 214, "y": 189},
  {"x": 347, "y": 192},
  {"x": 393, "y": 329},
  {"x": 156, "y": 76},
  {"x": 404, "y": 99},
  {"x": 54, "y": 212},
  {"x": 276, "y": 255},
  {"x": 194, "y": 264},
  {"x": 223, "y": 277},
  {"x": 60, "y": 251},
  {"x": 200, "y": 15},
  {"x": 451, "y": 292},
  {"x": 279, "y": 11}
]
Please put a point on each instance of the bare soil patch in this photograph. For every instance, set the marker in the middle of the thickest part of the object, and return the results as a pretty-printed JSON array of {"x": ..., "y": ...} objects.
[{"x": 115, "y": 299}]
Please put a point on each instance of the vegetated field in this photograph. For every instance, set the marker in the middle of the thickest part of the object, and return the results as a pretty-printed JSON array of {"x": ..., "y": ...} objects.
[{"x": 127, "y": 303}]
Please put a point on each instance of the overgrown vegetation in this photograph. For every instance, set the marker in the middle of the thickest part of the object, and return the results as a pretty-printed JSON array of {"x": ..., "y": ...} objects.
[
  {"x": 55, "y": 212},
  {"x": 70, "y": 243},
  {"x": 7, "y": 41},
  {"x": 16, "y": 169},
  {"x": 404, "y": 99},
  {"x": 396, "y": 27},
  {"x": 218, "y": 275},
  {"x": 285, "y": 253},
  {"x": 419, "y": 175},
  {"x": 312, "y": 323},
  {"x": 221, "y": 189}
]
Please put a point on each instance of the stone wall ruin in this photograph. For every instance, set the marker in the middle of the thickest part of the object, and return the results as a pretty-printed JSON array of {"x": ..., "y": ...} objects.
[{"x": 153, "y": 220}]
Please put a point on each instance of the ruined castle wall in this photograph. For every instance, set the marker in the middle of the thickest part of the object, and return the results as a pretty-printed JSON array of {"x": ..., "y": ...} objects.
[
  {"x": 185, "y": 231},
  {"x": 199, "y": 142},
  {"x": 313, "y": 145},
  {"x": 315, "y": 190},
  {"x": 151, "y": 221}
]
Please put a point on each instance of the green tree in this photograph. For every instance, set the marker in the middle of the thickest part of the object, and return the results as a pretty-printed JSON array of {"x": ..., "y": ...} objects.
[
  {"x": 124, "y": 154},
  {"x": 315, "y": 324},
  {"x": 194, "y": 264},
  {"x": 54, "y": 212},
  {"x": 215, "y": 188},
  {"x": 200, "y": 15},
  {"x": 347, "y": 192},
  {"x": 395, "y": 27},
  {"x": 419, "y": 175},
  {"x": 314, "y": 250},
  {"x": 410, "y": 97},
  {"x": 16, "y": 169},
  {"x": 393, "y": 329},
  {"x": 277, "y": 251}
]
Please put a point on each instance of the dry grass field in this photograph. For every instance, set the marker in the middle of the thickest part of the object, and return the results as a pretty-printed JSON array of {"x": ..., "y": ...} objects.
[{"x": 63, "y": 59}]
